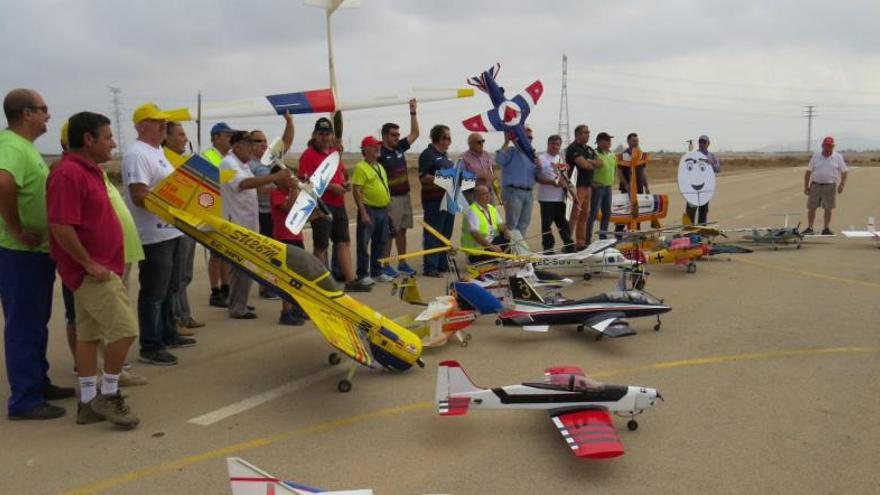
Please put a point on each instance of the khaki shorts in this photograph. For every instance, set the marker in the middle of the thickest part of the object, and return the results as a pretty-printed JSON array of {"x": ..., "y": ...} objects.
[
  {"x": 103, "y": 311},
  {"x": 823, "y": 195},
  {"x": 400, "y": 212}
]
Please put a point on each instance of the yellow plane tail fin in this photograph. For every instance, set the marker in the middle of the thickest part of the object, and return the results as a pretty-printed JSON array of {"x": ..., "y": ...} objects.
[
  {"x": 193, "y": 187},
  {"x": 408, "y": 291},
  {"x": 686, "y": 220}
]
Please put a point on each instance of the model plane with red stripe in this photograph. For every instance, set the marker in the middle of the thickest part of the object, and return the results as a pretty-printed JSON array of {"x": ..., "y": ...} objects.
[{"x": 579, "y": 407}]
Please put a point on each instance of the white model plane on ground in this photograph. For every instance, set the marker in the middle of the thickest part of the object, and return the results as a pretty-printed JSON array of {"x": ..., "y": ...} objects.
[
  {"x": 579, "y": 407},
  {"x": 247, "y": 479},
  {"x": 869, "y": 233},
  {"x": 598, "y": 257}
]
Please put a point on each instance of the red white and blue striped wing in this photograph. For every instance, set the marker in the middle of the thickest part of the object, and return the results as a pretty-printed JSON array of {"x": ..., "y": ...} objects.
[
  {"x": 589, "y": 433},
  {"x": 527, "y": 100}
]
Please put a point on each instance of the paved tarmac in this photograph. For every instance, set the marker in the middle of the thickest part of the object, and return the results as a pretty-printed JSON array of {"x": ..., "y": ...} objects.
[{"x": 769, "y": 365}]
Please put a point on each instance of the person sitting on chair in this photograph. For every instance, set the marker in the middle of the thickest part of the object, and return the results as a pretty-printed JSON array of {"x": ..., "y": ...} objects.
[{"x": 483, "y": 228}]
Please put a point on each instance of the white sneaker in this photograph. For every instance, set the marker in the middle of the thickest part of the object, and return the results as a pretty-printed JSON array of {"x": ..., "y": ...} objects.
[
  {"x": 384, "y": 277},
  {"x": 368, "y": 281}
]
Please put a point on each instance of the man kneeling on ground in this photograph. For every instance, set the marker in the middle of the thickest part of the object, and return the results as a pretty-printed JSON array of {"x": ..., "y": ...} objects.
[{"x": 87, "y": 246}]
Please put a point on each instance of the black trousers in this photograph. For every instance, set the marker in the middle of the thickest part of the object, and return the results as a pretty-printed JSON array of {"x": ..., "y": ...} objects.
[
  {"x": 703, "y": 213},
  {"x": 554, "y": 212}
]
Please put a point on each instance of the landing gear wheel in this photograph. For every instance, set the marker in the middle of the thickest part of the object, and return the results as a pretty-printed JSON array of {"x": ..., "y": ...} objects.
[
  {"x": 798, "y": 246},
  {"x": 344, "y": 386},
  {"x": 588, "y": 276},
  {"x": 420, "y": 363},
  {"x": 632, "y": 425},
  {"x": 464, "y": 343},
  {"x": 334, "y": 359},
  {"x": 657, "y": 327},
  {"x": 468, "y": 337},
  {"x": 580, "y": 329},
  {"x": 692, "y": 267}
]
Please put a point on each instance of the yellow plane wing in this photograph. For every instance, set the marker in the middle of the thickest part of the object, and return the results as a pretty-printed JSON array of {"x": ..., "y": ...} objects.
[{"x": 341, "y": 332}]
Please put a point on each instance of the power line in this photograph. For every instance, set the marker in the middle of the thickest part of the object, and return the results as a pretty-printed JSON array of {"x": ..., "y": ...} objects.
[
  {"x": 810, "y": 113},
  {"x": 563, "y": 103},
  {"x": 117, "y": 115}
]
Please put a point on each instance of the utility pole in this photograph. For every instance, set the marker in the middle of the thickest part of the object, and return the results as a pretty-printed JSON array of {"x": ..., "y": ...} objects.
[
  {"x": 563, "y": 104},
  {"x": 809, "y": 113},
  {"x": 117, "y": 116}
]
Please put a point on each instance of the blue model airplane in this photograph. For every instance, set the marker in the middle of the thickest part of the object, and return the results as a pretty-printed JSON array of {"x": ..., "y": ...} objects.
[
  {"x": 455, "y": 181},
  {"x": 508, "y": 116}
]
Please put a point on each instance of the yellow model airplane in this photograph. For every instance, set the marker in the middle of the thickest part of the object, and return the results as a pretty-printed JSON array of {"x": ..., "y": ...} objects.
[{"x": 190, "y": 200}]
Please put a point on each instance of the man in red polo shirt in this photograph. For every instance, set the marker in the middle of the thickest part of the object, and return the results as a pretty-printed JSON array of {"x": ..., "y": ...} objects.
[
  {"x": 325, "y": 230},
  {"x": 87, "y": 246}
]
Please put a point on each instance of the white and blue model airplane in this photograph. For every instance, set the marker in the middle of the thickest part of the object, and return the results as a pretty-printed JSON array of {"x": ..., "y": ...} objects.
[{"x": 455, "y": 181}]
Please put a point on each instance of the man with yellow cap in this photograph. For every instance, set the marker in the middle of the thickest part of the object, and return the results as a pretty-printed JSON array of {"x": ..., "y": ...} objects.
[{"x": 143, "y": 166}]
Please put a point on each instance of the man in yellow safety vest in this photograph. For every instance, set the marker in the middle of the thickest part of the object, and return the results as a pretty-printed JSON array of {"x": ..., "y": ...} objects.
[{"x": 482, "y": 228}]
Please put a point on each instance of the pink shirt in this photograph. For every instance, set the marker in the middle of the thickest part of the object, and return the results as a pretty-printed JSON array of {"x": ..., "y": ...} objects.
[
  {"x": 76, "y": 195},
  {"x": 480, "y": 164}
]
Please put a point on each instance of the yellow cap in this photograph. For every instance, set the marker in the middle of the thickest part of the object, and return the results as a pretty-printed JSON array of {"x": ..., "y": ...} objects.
[
  {"x": 148, "y": 111},
  {"x": 64, "y": 142}
]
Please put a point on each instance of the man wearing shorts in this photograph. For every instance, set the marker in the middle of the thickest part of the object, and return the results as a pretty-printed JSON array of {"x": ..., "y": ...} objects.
[
  {"x": 823, "y": 181},
  {"x": 88, "y": 249},
  {"x": 392, "y": 156},
  {"x": 326, "y": 229}
]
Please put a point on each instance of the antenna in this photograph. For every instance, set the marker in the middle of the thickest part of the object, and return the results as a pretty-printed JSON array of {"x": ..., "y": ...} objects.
[
  {"x": 809, "y": 113},
  {"x": 563, "y": 103},
  {"x": 117, "y": 116}
]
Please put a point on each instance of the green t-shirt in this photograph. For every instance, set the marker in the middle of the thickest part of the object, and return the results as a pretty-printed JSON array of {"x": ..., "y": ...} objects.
[
  {"x": 604, "y": 175},
  {"x": 374, "y": 182},
  {"x": 134, "y": 251},
  {"x": 20, "y": 158}
]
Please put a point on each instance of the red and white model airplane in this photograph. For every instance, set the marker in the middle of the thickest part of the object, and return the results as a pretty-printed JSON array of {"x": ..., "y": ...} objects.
[
  {"x": 579, "y": 407},
  {"x": 247, "y": 479}
]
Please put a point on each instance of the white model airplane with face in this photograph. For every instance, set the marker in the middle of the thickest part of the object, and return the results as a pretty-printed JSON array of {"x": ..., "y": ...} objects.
[
  {"x": 579, "y": 407},
  {"x": 869, "y": 233}
]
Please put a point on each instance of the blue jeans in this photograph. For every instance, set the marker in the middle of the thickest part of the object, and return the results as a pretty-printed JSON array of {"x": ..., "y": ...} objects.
[
  {"x": 600, "y": 200},
  {"x": 443, "y": 222},
  {"x": 371, "y": 240},
  {"x": 159, "y": 279},
  {"x": 26, "y": 283},
  {"x": 517, "y": 209}
]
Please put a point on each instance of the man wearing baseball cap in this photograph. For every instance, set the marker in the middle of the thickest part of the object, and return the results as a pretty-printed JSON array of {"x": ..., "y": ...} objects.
[
  {"x": 603, "y": 179},
  {"x": 823, "y": 181},
  {"x": 372, "y": 195},
  {"x": 218, "y": 272},
  {"x": 700, "y": 215},
  {"x": 325, "y": 230},
  {"x": 143, "y": 166}
]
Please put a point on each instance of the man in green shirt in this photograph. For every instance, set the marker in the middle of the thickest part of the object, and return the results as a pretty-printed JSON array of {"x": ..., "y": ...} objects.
[
  {"x": 27, "y": 273},
  {"x": 603, "y": 179},
  {"x": 372, "y": 196}
]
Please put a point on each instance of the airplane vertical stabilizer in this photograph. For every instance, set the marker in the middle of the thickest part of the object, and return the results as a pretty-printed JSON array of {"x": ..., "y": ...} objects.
[
  {"x": 452, "y": 381},
  {"x": 194, "y": 187}
]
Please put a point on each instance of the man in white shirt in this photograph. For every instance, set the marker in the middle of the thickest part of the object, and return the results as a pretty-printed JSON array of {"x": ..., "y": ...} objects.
[
  {"x": 143, "y": 166},
  {"x": 240, "y": 206},
  {"x": 551, "y": 197},
  {"x": 823, "y": 181}
]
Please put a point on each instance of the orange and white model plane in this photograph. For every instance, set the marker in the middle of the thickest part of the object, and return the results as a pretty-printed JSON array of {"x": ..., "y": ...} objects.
[{"x": 579, "y": 407}]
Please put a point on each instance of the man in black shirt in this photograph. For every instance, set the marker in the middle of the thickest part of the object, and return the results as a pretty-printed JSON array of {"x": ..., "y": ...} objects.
[
  {"x": 579, "y": 154},
  {"x": 392, "y": 156}
]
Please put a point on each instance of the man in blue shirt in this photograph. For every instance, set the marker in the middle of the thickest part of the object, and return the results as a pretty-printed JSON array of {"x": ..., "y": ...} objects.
[
  {"x": 431, "y": 160},
  {"x": 517, "y": 181}
]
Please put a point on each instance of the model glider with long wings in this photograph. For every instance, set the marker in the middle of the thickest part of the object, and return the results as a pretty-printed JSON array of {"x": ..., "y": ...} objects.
[{"x": 579, "y": 407}]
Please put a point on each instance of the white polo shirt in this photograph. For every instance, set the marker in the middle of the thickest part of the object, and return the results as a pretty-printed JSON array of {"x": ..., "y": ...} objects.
[
  {"x": 826, "y": 170},
  {"x": 144, "y": 164},
  {"x": 240, "y": 207},
  {"x": 547, "y": 192}
]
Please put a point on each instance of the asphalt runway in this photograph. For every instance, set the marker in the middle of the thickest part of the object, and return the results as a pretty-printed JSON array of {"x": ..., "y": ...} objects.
[{"x": 768, "y": 362}]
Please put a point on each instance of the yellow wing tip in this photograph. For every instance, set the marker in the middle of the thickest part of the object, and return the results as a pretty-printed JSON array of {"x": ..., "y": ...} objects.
[{"x": 465, "y": 92}]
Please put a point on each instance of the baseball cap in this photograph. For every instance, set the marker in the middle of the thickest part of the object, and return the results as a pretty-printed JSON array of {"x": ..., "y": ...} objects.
[
  {"x": 828, "y": 141},
  {"x": 323, "y": 125},
  {"x": 604, "y": 136},
  {"x": 370, "y": 141},
  {"x": 220, "y": 128},
  {"x": 64, "y": 128},
  {"x": 148, "y": 111}
]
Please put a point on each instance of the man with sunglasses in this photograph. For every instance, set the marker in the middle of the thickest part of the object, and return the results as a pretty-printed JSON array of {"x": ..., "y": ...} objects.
[
  {"x": 27, "y": 273},
  {"x": 477, "y": 160},
  {"x": 432, "y": 159},
  {"x": 392, "y": 157},
  {"x": 260, "y": 145}
]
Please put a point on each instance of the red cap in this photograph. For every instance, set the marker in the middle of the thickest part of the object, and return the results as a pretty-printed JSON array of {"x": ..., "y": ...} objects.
[
  {"x": 828, "y": 141},
  {"x": 370, "y": 141}
]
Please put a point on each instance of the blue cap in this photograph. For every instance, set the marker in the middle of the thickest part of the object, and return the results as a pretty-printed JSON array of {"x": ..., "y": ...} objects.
[{"x": 220, "y": 128}]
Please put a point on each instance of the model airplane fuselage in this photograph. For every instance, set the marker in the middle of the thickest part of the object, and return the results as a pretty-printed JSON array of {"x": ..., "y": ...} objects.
[
  {"x": 579, "y": 407},
  {"x": 189, "y": 199}
]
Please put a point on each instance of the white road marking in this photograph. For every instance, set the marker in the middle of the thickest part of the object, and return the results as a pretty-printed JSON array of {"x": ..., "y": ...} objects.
[{"x": 262, "y": 398}]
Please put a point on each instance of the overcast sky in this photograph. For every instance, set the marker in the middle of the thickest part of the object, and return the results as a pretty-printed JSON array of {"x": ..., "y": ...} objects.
[{"x": 739, "y": 71}]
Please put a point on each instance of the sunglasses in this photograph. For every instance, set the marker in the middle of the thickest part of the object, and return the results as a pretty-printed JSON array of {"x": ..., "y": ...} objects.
[
  {"x": 478, "y": 142},
  {"x": 258, "y": 141},
  {"x": 446, "y": 138}
]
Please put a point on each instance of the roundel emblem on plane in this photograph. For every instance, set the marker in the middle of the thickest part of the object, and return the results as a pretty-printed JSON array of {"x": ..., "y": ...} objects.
[
  {"x": 206, "y": 200},
  {"x": 510, "y": 113}
]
